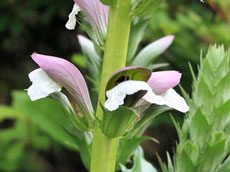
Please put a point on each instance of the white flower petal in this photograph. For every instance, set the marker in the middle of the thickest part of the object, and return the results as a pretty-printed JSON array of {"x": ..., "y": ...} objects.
[
  {"x": 175, "y": 101},
  {"x": 71, "y": 23},
  {"x": 42, "y": 85},
  {"x": 117, "y": 94}
]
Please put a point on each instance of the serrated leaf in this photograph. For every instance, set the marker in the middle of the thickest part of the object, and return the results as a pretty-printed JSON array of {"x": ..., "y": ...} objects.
[
  {"x": 206, "y": 127},
  {"x": 200, "y": 129},
  {"x": 183, "y": 159},
  {"x": 213, "y": 156},
  {"x": 225, "y": 167}
]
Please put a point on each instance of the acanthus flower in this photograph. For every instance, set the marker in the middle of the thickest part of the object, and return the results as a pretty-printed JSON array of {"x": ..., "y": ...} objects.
[
  {"x": 96, "y": 16},
  {"x": 127, "y": 87},
  {"x": 157, "y": 88},
  {"x": 55, "y": 73}
]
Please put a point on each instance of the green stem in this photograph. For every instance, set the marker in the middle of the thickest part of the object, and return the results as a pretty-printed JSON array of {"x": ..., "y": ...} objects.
[{"x": 104, "y": 149}]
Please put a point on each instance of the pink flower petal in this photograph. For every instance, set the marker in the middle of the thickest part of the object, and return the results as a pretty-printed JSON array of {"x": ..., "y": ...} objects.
[
  {"x": 96, "y": 12},
  {"x": 162, "y": 81},
  {"x": 68, "y": 76}
]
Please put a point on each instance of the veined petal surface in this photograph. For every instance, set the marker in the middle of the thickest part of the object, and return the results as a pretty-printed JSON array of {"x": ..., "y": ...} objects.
[
  {"x": 68, "y": 76},
  {"x": 163, "y": 80},
  {"x": 97, "y": 16},
  {"x": 96, "y": 13}
]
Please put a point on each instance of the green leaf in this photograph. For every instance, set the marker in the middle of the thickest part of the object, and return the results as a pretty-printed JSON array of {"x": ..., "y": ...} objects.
[
  {"x": 140, "y": 164},
  {"x": 204, "y": 137},
  {"x": 200, "y": 129},
  {"x": 213, "y": 156},
  {"x": 148, "y": 54},
  {"x": 136, "y": 35},
  {"x": 79, "y": 60},
  {"x": 225, "y": 167},
  {"x": 44, "y": 113},
  {"x": 127, "y": 147},
  {"x": 184, "y": 159}
]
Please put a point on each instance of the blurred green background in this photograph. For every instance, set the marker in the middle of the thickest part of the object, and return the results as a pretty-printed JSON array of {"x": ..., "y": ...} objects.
[{"x": 30, "y": 132}]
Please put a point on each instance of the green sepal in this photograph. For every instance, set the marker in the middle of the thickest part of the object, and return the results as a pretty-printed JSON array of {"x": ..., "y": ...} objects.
[
  {"x": 135, "y": 73},
  {"x": 77, "y": 121},
  {"x": 109, "y": 2},
  {"x": 146, "y": 7},
  {"x": 116, "y": 123}
]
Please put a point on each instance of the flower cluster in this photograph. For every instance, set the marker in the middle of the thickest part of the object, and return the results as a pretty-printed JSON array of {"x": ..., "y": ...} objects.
[{"x": 139, "y": 84}]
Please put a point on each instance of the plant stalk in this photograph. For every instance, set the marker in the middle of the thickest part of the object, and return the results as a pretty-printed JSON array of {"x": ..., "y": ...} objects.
[{"x": 104, "y": 149}]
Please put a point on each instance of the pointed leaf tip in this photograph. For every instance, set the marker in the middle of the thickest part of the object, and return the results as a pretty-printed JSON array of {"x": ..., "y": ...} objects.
[{"x": 152, "y": 51}]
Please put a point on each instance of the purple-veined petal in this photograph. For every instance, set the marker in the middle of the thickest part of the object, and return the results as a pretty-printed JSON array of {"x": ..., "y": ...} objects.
[
  {"x": 68, "y": 76},
  {"x": 97, "y": 15},
  {"x": 71, "y": 23},
  {"x": 42, "y": 85},
  {"x": 164, "y": 80},
  {"x": 116, "y": 96},
  {"x": 95, "y": 11}
]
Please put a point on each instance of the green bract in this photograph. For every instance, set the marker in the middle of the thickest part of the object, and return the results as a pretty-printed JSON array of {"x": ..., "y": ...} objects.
[
  {"x": 117, "y": 123},
  {"x": 204, "y": 140}
]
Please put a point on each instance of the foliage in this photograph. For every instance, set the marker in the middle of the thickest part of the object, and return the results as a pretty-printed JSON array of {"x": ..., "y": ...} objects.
[
  {"x": 140, "y": 164},
  {"x": 37, "y": 126},
  {"x": 204, "y": 137}
]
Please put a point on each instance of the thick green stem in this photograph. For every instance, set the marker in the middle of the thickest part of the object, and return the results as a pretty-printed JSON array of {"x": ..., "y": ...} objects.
[{"x": 104, "y": 149}]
